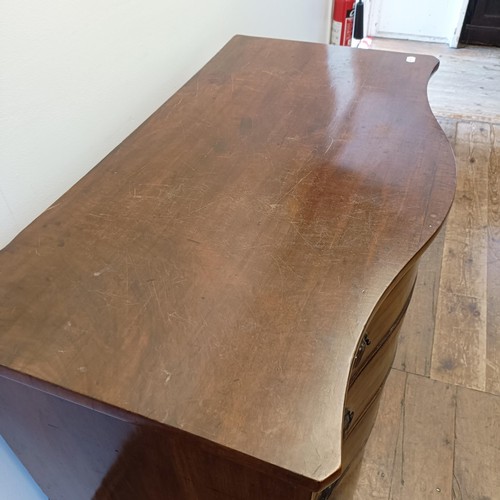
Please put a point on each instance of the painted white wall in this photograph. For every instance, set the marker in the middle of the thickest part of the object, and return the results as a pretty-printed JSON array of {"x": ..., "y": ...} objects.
[
  {"x": 15, "y": 481},
  {"x": 77, "y": 77},
  {"x": 425, "y": 20}
]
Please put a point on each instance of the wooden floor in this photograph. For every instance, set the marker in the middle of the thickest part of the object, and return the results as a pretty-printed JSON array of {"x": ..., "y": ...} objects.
[
  {"x": 437, "y": 434},
  {"x": 467, "y": 83}
]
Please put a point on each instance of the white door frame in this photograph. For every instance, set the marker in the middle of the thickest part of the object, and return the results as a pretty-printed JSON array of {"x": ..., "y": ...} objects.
[{"x": 455, "y": 36}]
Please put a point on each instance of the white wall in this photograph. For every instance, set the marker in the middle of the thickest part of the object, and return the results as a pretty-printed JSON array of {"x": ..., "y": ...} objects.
[
  {"x": 15, "y": 481},
  {"x": 78, "y": 76},
  {"x": 426, "y": 20}
]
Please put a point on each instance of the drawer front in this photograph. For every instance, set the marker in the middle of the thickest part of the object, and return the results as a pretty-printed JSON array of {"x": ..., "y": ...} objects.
[
  {"x": 386, "y": 317},
  {"x": 352, "y": 447},
  {"x": 369, "y": 382},
  {"x": 354, "y": 442}
]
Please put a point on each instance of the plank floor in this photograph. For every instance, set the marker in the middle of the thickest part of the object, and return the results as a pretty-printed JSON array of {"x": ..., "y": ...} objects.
[
  {"x": 466, "y": 85},
  {"x": 437, "y": 434}
]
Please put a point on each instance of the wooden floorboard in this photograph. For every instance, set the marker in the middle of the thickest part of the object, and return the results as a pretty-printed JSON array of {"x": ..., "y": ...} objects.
[
  {"x": 459, "y": 348},
  {"x": 410, "y": 452},
  {"x": 373, "y": 478},
  {"x": 477, "y": 449},
  {"x": 417, "y": 332},
  {"x": 466, "y": 84},
  {"x": 420, "y": 432},
  {"x": 416, "y": 337},
  {"x": 430, "y": 440},
  {"x": 493, "y": 279}
]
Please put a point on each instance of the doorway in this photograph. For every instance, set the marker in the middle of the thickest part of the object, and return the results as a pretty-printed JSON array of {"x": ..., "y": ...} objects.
[{"x": 482, "y": 23}]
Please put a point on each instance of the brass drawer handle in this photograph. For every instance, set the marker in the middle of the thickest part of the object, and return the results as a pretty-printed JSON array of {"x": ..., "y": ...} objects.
[
  {"x": 325, "y": 494},
  {"x": 348, "y": 418},
  {"x": 361, "y": 349}
]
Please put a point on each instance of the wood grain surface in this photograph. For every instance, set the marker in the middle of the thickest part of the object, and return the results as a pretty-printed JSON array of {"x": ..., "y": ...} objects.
[
  {"x": 214, "y": 273},
  {"x": 373, "y": 477},
  {"x": 416, "y": 339},
  {"x": 466, "y": 86},
  {"x": 475, "y": 443},
  {"x": 462, "y": 304},
  {"x": 477, "y": 450},
  {"x": 455, "y": 90},
  {"x": 413, "y": 440},
  {"x": 493, "y": 271}
]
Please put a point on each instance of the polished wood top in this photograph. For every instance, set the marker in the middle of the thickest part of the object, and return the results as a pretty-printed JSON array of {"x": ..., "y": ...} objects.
[{"x": 215, "y": 271}]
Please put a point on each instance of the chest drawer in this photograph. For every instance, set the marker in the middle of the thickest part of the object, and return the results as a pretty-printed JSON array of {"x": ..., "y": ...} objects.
[
  {"x": 352, "y": 446},
  {"x": 385, "y": 319},
  {"x": 364, "y": 388}
]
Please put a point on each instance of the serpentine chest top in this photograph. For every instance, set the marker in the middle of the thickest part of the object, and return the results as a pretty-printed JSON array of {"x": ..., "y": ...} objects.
[{"x": 192, "y": 318}]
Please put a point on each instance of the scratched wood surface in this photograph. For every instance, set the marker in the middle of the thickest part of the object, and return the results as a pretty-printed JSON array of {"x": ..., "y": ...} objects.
[
  {"x": 467, "y": 98},
  {"x": 431, "y": 440},
  {"x": 461, "y": 308},
  {"x": 493, "y": 267},
  {"x": 372, "y": 478},
  {"x": 459, "y": 350},
  {"x": 416, "y": 338},
  {"x": 466, "y": 86},
  {"x": 397, "y": 464},
  {"x": 477, "y": 446},
  {"x": 420, "y": 432},
  {"x": 214, "y": 273}
]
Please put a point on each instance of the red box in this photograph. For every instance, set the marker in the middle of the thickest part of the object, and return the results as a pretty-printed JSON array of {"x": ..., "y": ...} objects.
[{"x": 342, "y": 22}]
